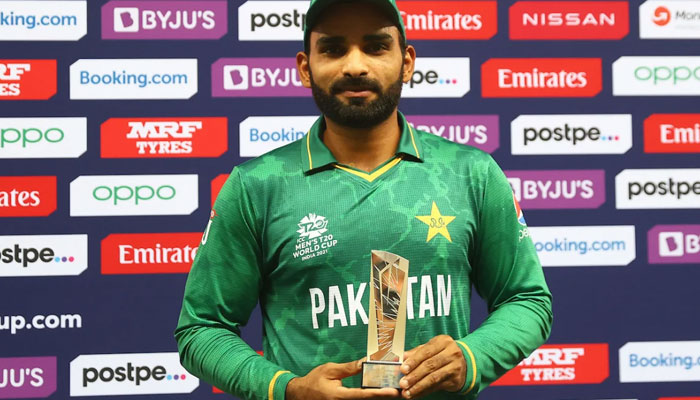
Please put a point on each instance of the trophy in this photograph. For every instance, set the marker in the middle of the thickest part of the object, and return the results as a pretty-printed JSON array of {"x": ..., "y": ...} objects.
[{"x": 387, "y": 320}]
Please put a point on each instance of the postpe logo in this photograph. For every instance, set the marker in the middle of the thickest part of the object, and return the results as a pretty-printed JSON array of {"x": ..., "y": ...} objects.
[
  {"x": 129, "y": 374},
  {"x": 43, "y": 137},
  {"x": 133, "y": 195},
  {"x": 149, "y": 253},
  {"x": 27, "y": 196},
  {"x": 656, "y": 76},
  {"x": 27, "y": 377},
  {"x": 561, "y": 364},
  {"x": 541, "y": 77},
  {"x": 256, "y": 77},
  {"x": 43, "y": 255},
  {"x": 439, "y": 77},
  {"x": 569, "y": 20},
  {"x": 571, "y": 134},
  {"x": 657, "y": 188},
  {"x": 660, "y": 361},
  {"x": 560, "y": 189},
  {"x": 672, "y": 133},
  {"x": 480, "y": 131},
  {"x": 674, "y": 244},
  {"x": 164, "y": 20},
  {"x": 164, "y": 137},
  {"x": 27, "y": 79},
  {"x": 49, "y": 20},
  {"x": 259, "y": 135}
]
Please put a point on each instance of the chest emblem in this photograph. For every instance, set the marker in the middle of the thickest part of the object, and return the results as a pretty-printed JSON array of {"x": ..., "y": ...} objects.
[
  {"x": 313, "y": 240},
  {"x": 437, "y": 223}
]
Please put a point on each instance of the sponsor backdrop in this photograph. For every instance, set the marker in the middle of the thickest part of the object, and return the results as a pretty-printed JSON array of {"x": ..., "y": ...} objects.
[{"x": 120, "y": 120}]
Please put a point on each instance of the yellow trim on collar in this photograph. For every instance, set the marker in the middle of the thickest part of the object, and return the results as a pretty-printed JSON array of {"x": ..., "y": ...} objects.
[
  {"x": 308, "y": 150},
  {"x": 473, "y": 360},
  {"x": 413, "y": 140},
  {"x": 376, "y": 174},
  {"x": 271, "y": 388}
]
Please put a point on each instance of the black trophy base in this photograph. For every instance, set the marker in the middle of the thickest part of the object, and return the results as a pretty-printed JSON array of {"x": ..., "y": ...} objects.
[{"x": 381, "y": 374}]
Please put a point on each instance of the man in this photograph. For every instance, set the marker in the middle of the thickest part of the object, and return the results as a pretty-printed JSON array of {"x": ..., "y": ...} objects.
[{"x": 294, "y": 228}]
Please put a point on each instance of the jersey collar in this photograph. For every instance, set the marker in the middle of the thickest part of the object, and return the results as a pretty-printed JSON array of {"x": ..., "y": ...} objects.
[{"x": 315, "y": 155}]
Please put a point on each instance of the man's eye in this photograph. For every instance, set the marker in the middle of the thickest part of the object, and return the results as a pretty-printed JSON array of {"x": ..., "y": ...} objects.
[
  {"x": 376, "y": 47},
  {"x": 334, "y": 50}
]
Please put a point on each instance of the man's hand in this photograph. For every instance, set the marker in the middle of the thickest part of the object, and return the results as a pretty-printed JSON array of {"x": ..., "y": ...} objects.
[
  {"x": 436, "y": 365},
  {"x": 323, "y": 382}
]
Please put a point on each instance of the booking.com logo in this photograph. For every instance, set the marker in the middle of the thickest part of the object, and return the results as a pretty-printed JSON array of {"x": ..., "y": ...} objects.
[{"x": 581, "y": 246}]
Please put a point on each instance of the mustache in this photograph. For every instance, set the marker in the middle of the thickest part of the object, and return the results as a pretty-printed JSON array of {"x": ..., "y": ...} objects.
[{"x": 355, "y": 84}]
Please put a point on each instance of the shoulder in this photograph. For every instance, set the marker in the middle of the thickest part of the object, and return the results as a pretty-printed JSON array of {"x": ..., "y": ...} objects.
[
  {"x": 453, "y": 155},
  {"x": 281, "y": 162}
]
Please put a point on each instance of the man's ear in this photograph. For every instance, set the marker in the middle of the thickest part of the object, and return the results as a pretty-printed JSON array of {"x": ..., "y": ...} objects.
[
  {"x": 409, "y": 63},
  {"x": 303, "y": 69}
]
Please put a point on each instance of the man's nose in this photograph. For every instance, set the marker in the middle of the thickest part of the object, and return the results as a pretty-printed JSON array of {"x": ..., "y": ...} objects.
[{"x": 355, "y": 63}]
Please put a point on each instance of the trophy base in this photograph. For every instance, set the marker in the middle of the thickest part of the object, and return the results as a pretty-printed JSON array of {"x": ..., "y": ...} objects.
[{"x": 381, "y": 374}]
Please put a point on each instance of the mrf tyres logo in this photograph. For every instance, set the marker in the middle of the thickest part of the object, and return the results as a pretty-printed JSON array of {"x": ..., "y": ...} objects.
[
  {"x": 657, "y": 188},
  {"x": 149, "y": 253},
  {"x": 660, "y": 361},
  {"x": 558, "y": 189},
  {"x": 560, "y": 364},
  {"x": 674, "y": 244},
  {"x": 43, "y": 255},
  {"x": 43, "y": 137},
  {"x": 129, "y": 374},
  {"x": 672, "y": 133},
  {"x": 164, "y": 137},
  {"x": 443, "y": 20},
  {"x": 313, "y": 240},
  {"x": 669, "y": 19},
  {"x": 571, "y": 134},
  {"x": 541, "y": 77},
  {"x": 45, "y": 20},
  {"x": 164, "y": 20},
  {"x": 27, "y": 377},
  {"x": 656, "y": 76},
  {"x": 27, "y": 79},
  {"x": 569, "y": 20},
  {"x": 480, "y": 131},
  {"x": 109, "y": 195},
  {"x": 27, "y": 196}
]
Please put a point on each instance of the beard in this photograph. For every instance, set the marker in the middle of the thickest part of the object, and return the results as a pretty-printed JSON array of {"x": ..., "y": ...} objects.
[{"x": 360, "y": 113}]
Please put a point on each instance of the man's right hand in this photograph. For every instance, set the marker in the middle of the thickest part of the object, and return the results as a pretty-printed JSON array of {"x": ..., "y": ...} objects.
[{"x": 324, "y": 382}]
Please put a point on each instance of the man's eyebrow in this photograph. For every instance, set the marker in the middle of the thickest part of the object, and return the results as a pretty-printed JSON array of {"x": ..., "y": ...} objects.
[
  {"x": 378, "y": 37},
  {"x": 328, "y": 40}
]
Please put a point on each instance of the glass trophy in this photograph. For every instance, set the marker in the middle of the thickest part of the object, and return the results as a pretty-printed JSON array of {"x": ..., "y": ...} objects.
[{"x": 387, "y": 320}]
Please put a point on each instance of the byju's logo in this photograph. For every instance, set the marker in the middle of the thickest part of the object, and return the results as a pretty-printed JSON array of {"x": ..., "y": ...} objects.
[
  {"x": 569, "y": 20},
  {"x": 674, "y": 244},
  {"x": 123, "y": 79},
  {"x": 571, "y": 134},
  {"x": 439, "y": 77},
  {"x": 164, "y": 137},
  {"x": 27, "y": 79},
  {"x": 259, "y": 135},
  {"x": 43, "y": 137},
  {"x": 149, "y": 253},
  {"x": 133, "y": 195},
  {"x": 660, "y": 361},
  {"x": 582, "y": 246},
  {"x": 129, "y": 374},
  {"x": 27, "y": 377},
  {"x": 541, "y": 77},
  {"x": 480, "y": 131},
  {"x": 164, "y": 20},
  {"x": 669, "y": 19},
  {"x": 657, "y": 188},
  {"x": 656, "y": 76},
  {"x": 43, "y": 255},
  {"x": 557, "y": 364},
  {"x": 558, "y": 189},
  {"x": 256, "y": 77},
  {"x": 27, "y": 196},
  {"x": 672, "y": 133},
  {"x": 48, "y": 20}
]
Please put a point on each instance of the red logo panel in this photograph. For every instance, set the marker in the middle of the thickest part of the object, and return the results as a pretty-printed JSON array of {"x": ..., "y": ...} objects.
[
  {"x": 27, "y": 79},
  {"x": 559, "y": 365},
  {"x": 672, "y": 133},
  {"x": 164, "y": 137},
  {"x": 216, "y": 185},
  {"x": 569, "y": 20},
  {"x": 27, "y": 196},
  {"x": 541, "y": 77},
  {"x": 149, "y": 253},
  {"x": 449, "y": 20}
]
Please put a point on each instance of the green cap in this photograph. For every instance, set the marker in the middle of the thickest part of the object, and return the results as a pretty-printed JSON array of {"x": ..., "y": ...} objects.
[{"x": 317, "y": 7}]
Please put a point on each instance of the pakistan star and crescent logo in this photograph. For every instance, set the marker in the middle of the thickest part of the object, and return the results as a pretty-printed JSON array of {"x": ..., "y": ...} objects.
[{"x": 437, "y": 223}]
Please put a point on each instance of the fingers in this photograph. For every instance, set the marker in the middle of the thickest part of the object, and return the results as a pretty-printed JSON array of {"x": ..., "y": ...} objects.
[
  {"x": 353, "y": 393},
  {"x": 424, "y": 369},
  {"x": 431, "y": 382},
  {"x": 415, "y": 357},
  {"x": 344, "y": 370}
]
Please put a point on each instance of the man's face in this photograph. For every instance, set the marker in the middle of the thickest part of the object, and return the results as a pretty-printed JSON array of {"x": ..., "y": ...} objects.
[{"x": 355, "y": 65}]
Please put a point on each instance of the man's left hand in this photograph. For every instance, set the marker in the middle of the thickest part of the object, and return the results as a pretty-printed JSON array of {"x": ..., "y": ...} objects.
[{"x": 436, "y": 365}]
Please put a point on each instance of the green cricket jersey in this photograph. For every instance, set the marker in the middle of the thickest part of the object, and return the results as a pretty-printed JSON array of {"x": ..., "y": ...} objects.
[{"x": 293, "y": 229}]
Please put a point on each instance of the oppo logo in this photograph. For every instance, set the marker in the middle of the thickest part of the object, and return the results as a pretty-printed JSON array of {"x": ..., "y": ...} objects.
[
  {"x": 27, "y": 136},
  {"x": 656, "y": 76},
  {"x": 659, "y": 74},
  {"x": 133, "y": 194}
]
